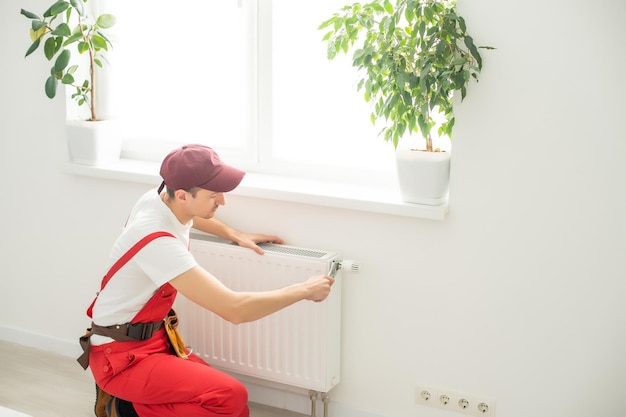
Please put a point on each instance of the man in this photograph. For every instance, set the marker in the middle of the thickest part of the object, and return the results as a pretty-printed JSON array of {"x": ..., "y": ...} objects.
[{"x": 140, "y": 375}]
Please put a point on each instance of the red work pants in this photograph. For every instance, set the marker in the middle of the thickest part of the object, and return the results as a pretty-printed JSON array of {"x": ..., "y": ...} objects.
[{"x": 159, "y": 383}]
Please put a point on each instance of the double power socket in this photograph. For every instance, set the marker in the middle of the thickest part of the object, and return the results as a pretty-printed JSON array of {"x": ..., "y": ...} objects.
[{"x": 451, "y": 400}]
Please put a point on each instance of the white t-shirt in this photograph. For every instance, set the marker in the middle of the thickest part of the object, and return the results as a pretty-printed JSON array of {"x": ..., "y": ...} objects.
[{"x": 158, "y": 262}]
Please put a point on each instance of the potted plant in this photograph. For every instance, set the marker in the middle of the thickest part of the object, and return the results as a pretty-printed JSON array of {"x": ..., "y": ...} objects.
[
  {"x": 63, "y": 25},
  {"x": 411, "y": 56}
]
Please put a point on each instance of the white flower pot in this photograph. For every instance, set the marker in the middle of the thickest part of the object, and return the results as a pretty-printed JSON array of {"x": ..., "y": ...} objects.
[
  {"x": 424, "y": 177},
  {"x": 94, "y": 143}
]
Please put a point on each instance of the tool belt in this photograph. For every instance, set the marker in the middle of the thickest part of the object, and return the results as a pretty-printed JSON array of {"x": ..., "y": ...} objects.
[
  {"x": 127, "y": 332},
  {"x": 119, "y": 332},
  {"x": 133, "y": 332}
]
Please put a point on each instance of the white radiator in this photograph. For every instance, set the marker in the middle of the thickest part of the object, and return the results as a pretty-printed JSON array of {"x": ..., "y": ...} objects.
[{"x": 298, "y": 346}]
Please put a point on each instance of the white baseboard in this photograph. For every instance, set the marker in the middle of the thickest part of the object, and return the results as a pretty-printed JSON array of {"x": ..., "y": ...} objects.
[
  {"x": 274, "y": 396},
  {"x": 63, "y": 347},
  {"x": 7, "y": 412},
  {"x": 300, "y": 402}
]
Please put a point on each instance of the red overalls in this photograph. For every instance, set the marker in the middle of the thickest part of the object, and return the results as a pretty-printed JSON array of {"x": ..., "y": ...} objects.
[{"x": 159, "y": 383}]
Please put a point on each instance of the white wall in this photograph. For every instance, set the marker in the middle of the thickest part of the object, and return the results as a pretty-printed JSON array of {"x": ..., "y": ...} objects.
[{"x": 516, "y": 295}]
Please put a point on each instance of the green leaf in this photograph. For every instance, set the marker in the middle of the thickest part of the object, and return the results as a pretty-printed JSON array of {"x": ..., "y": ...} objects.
[
  {"x": 469, "y": 42},
  {"x": 462, "y": 24},
  {"x": 409, "y": 14},
  {"x": 51, "y": 86},
  {"x": 392, "y": 102},
  {"x": 428, "y": 13},
  {"x": 57, "y": 8},
  {"x": 401, "y": 127},
  {"x": 62, "y": 30},
  {"x": 338, "y": 24},
  {"x": 29, "y": 14},
  {"x": 331, "y": 51},
  {"x": 344, "y": 45},
  {"x": 72, "y": 69},
  {"x": 99, "y": 43},
  {"x": 377, "y": 7},
  {"x": 458, "y": 61},
  {"x": 58, "y": 44},
  {"x": 37, "y": 24},
  {"x": 33, "y": 47},
  {"x": 327, "y": 23},
  {"x": 50, "y": 48},
  {"x": 358, "y": 54},
  {"x": 450, "y": 125},
  {"x": 83, "y": 47},
  {"x": 406, "y": 97},
  {"x": 67, "y": 79},
  {"x": 401, "y": 79},
  {"x": 412, "y": 122},
  {"x": 106, "y": 20},
  {"x": 62, "y": 60},
  {"x": 78, "y": 5},
  {"x": 422, "y": 29},
  {"x": 73, "y": 38},
  {"x": 388, "y": 7},
  {"x": 104, "y": 37}
]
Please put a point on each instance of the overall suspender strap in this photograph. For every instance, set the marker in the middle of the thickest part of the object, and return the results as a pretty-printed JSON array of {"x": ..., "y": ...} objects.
[
  {"x": 131, "y": 252},
  {"x": 124, "y": 259},
  {"x": 115, "y": 332}
]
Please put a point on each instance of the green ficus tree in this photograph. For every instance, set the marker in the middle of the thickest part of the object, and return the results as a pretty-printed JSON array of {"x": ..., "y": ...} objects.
[
  {"x": 412, "y": 56},
  {"x": 57, "y": 35}
]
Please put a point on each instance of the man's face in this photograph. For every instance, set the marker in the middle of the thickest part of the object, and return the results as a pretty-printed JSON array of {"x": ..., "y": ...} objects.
[{"x": 206, "y": 202}]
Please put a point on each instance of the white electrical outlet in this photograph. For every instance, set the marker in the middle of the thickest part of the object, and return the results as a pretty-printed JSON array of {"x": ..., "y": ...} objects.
[{"x": 452, "y": 400}]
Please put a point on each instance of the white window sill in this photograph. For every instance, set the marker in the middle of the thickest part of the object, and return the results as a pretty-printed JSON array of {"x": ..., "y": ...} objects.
[{"x": 320, "y": 193}]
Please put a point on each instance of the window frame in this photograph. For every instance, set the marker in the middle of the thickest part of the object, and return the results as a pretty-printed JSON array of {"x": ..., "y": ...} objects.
[{"x": 317, "y": 184}]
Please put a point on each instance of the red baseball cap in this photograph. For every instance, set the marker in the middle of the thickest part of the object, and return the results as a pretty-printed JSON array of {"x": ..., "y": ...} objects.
[{"x": 198, "y": 166}]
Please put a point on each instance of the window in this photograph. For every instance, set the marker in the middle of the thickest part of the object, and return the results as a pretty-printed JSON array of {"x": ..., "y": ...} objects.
[
  {"x": 247, "y": 77},
  {"x": 181, "y": 74}
]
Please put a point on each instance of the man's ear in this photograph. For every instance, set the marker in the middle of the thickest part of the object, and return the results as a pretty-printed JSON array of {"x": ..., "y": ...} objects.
[{"x": 180, "y": 195}]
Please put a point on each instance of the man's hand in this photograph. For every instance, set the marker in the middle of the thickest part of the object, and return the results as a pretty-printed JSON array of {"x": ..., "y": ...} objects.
[
  {"x": 318, "y": 287},
  {"x": 245, "y": 240},
  {"x": 250, "y": 240}
]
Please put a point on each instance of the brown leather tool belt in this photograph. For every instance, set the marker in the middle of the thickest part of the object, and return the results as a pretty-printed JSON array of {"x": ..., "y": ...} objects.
[
  {"x": 119, "y": 332},
  {"x": 127, "y": 332},
  {"x": 123, "y": 333}
]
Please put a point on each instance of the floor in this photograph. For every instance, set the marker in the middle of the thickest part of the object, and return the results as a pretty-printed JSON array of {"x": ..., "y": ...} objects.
[{"x": 43, "y": 384}]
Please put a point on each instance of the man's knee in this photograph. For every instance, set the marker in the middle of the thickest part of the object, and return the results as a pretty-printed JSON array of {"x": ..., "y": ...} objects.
[
  {"x": 240, "y": 399},
  {"x": 234, "y": 399}
]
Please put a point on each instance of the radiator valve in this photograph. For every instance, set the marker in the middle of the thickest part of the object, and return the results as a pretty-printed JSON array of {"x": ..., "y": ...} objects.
[
  {"x": 345, "y": 264},
  {"x": 350, "y": 265}
]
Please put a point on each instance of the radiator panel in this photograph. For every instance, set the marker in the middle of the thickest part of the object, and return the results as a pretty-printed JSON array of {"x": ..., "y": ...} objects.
[{"x": 298, "y": 346}]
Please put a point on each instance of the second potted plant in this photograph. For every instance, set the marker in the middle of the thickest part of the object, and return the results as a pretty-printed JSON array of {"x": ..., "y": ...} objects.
[
  {"x": 66, "y": 24},
  {"x": 412, "y": 55}
]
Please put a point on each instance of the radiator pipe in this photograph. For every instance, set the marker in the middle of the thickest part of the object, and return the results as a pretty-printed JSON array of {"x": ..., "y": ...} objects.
[
  {"x": 313, "y": 397},
  {"x": 325, "y": 399}
]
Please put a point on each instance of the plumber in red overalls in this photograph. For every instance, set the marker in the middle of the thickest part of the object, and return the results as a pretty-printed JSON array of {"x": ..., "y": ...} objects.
[{"x": 136, "y": 370}]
